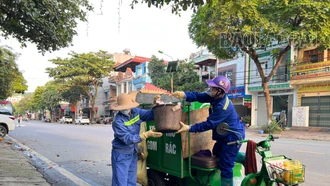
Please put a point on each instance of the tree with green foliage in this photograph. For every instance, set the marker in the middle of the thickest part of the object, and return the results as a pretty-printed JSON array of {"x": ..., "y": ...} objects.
[
  {"x": 37, "y": 98},
  {"x": 24, "y": 105},
  {"x": 72, "y": 94},
  {"x": 177, "y": 5},
  {"x": 49, "y": 24},
  {"x": 51, "y": 97},
  {"x": 231, "y": 27},
  {"x": 11, "y": 78},
  {"x": 84, "y": 70},
  {"x": 186, "y": 79},
  {"x": 19, "y": 83}
]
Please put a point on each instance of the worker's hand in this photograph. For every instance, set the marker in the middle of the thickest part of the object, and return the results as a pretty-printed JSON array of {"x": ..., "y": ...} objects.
[
  {"x": 178, "y": 94},
  {"x": 150, "y": 133},
  {"x": 184, "y": 128}
]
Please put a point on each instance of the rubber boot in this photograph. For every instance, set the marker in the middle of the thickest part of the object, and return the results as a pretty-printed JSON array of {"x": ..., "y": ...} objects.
[
  {"x": 227, "y": 181},
  {"x": 240, "y": 158}
]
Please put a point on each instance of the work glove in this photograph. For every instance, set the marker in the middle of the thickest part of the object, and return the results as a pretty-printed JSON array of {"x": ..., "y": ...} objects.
[
  {"x": 178, "y": 94},
  {"x": 150, "y": 133},
  {"x": 184, "y": 128}
]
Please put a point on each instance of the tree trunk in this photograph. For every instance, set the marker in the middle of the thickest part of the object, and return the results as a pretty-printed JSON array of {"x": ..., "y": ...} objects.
[
  {"x": 93, "y": 113},
  {"x": 268, "y": 102},
  {"x": 93, "y": 100},
  {"x": 76, "y": 110},
  {"x": 265, "y": 79}
]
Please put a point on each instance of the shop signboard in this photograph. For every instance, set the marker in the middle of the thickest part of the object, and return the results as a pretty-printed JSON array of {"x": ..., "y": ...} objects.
[{"x": 236, "y": 92}]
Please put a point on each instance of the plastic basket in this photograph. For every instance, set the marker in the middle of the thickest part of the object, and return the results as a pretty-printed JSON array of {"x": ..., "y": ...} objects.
[{"x": 287, "y": 177}]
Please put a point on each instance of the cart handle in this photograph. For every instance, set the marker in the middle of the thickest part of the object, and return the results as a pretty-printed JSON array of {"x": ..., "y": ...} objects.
[
  {"x": 237, "y": 142},
  {"x": 269, "y": 138}
]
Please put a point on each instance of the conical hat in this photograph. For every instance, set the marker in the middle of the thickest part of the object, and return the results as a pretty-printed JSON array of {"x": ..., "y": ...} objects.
[{"x": 124, "y": 102}]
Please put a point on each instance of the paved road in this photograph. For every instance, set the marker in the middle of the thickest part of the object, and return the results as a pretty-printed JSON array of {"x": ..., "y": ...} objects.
[
  {"x": 80, "y": 149},
  {"x": 313, "y": 154},
  {"x": 85, "y": 150}
]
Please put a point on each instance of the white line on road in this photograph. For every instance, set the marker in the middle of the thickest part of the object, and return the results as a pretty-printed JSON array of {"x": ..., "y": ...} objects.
[
  {"x": 64, "y": 172},
  {"x": 310, "y": 152}
]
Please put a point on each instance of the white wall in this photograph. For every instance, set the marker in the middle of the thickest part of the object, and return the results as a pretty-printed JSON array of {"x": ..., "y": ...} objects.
[
  {"x": 240, "y": 69},
  {"x": 100, "y": 97},
  {"x": 267, "y": 65}
]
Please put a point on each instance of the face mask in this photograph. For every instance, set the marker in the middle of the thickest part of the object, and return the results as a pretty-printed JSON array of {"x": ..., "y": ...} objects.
[
  {"x": 125, "y": 112},
  {"x": 213, "y": 93},
  {"x": 210, "y": 92}
]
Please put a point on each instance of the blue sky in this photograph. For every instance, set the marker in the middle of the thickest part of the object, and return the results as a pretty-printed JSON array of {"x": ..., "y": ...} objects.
[{"x": 143, "y": 30}]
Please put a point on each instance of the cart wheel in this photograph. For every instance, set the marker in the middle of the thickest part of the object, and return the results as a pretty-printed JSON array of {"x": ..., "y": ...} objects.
[{"x": 154, "y": 179}]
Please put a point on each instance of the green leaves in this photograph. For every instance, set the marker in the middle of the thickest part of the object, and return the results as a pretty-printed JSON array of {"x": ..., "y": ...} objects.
[
  {"x": 258, "y": 24},
  {"x": 24, "y": 105},
  {"x": 49, "y": 24},
  {"x": 81, "y": 72},
  {"x": 37, "y": 98},
  {"x": 177, "y": 5},
  {"x": 51, "y": 96},
  {"x": 85, "y": 69},
  {"x": 186, "y": 79},
  {"x": 72, "y": 94},
  {"x": 11, "y": 78}
]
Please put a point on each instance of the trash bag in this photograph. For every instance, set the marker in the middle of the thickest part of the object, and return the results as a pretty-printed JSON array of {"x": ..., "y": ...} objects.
[{"x": 142, "y": 161}]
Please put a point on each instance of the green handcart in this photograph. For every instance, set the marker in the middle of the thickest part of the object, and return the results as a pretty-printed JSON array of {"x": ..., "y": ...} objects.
[{"x": 167, "y": 167}]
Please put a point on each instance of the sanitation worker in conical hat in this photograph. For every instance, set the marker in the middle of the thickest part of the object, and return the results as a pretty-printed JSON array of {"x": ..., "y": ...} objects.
[
  {"x": 126, "y": 127},
  {"x": 221, "y": 110}
]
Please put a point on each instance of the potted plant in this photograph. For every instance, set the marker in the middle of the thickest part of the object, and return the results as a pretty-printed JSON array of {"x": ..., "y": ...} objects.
[
  {"x": 246, "y": 120},
  {"x": 273, "y": 128}
]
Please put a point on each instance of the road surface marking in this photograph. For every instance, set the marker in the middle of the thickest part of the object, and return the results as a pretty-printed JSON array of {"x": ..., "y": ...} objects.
[
  {"x": 310, "y": 152},
  {"x": 64, "y": 172}
]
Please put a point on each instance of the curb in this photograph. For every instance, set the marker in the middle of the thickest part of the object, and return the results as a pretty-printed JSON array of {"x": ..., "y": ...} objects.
[{"x": 54, "y": 166}]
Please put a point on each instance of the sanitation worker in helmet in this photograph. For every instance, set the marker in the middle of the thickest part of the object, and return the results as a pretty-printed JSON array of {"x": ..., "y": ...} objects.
[
  {"x": 221, "y": 110},
  {"x": 126, "y": 127}
]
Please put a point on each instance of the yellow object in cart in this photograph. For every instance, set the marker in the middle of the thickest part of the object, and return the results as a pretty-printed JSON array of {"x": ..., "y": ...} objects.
[{"x": 293, "y": 172}]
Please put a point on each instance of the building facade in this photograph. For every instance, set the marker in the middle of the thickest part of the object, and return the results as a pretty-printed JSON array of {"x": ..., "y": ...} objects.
[
  {"x": 281, "y": 92},
  {"x": 310, "y": 75},
  {"x": 206, "y": 64},
  {"x": 234, "y": 70},
  {"x": 141, "y": 76}
]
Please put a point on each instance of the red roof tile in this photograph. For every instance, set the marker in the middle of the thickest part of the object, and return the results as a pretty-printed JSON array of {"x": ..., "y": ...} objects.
[
  {"x": 153, "y": 89},
  {"x": 136, "y": 59}
]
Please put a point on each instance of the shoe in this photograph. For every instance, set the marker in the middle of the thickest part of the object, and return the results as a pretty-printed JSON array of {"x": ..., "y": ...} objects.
[{"x": 227, "y": 181}]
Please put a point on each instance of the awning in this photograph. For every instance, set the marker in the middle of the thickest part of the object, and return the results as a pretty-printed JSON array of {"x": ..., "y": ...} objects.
[{"x": 63, "y": 106}]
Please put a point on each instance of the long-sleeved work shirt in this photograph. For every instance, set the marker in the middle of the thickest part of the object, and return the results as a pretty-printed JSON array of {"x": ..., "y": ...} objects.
[
  {"x": 222, "y": 110},
  {"x": 127, "y": 128}
]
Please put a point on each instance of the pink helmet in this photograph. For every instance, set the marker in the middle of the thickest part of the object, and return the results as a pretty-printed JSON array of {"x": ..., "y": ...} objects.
[{"x": 221, "y": 82}]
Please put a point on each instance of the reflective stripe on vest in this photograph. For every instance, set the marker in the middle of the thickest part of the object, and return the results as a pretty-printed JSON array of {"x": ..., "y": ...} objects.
[
  {"x": 132, "y": 121},
  {"x": 226, "y": 104}
]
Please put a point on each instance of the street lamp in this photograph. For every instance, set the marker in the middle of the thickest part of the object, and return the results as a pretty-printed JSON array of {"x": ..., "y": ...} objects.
[{"x": 161, "y": 52}]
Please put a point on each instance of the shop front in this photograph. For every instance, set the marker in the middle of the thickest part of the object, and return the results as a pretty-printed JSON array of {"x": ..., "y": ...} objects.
[
  {"x": 241, "y": 101},
  {"x": 281, "y": 98},
  {"x": 88, "y": 111},
  {"x": 317, "y": 97}
]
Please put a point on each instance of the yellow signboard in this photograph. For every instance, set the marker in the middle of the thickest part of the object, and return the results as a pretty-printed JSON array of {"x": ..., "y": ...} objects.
[{"x": 321, "y": 87}]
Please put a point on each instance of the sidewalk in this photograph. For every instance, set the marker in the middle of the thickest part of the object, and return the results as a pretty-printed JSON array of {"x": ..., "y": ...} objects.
[
  {"x": 15, "y": 168},
  {"x": 303, "y": 133}
]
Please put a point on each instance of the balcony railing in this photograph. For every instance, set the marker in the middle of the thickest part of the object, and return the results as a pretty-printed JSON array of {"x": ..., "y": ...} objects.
[
  {"x": 310, "y": 69},
  {"x": 276, "y": 79}
]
